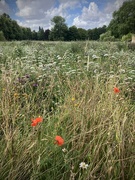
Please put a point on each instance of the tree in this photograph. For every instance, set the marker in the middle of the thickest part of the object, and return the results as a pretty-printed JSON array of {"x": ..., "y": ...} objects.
[
  {"x": 60, "y": 29},
  {"x": 5, "y": 26},
  {"x": 73, "y": 34},
  {"x": 46, "y": 34},
  {"x": 34, "y": 35},
  {"x": 16, "y": 31},
  {"x": 2, "y": 38},
  {"x": 40, "y": 33},
  {"x": 82, "y": 34},
  {"x": 123, "y": 21},
  {"x": 11, "y": 30},
  {"x": 94, "y": 34}
]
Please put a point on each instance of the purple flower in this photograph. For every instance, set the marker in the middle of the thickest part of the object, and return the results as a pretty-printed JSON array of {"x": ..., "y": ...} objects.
[{"x": 35, "y": 84}]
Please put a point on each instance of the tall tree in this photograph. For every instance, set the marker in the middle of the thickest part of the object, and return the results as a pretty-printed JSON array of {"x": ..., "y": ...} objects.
[
  {"x": 60, "y": 29},
  {"x": 123, "y": 21},
  {"x": 40, "y": 33}
]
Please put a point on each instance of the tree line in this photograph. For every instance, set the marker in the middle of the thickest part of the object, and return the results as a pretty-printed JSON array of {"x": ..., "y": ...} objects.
[
  {"x": 122, "y": 23},
  {"x": 10, "y": 30}
]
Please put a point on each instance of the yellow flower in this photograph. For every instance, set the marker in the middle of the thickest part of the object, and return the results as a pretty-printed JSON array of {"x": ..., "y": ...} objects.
[
  {"x": 73, "y": 99},
  {"x": 76, "y": 105},
  {"x": 16, "y": 95}
]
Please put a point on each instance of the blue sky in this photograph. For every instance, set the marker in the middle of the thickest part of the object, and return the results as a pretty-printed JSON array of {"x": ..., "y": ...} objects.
[{"x": 86, "y": 14}]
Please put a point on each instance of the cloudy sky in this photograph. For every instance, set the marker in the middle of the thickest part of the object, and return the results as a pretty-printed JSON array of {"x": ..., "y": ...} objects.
[{"x": 86, "y": 14}]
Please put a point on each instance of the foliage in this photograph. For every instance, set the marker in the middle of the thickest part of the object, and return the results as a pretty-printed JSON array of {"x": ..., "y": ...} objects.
[
  {"x": 82, "y": 34},
  {"x": 2, "y": 38},
  {"x": 73, "y": 34},
  {"x": 60, "y": 29},
  {"x": 123, "y": 21},
  {"x": 86, "y": 103},
  {"x": 107, "y": 36},
  {"x": 94, "y": 34},
  {"x": 127, "y": 37}
]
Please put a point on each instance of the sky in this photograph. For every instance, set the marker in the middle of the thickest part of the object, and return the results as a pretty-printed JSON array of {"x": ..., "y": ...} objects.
[{"x": 87, "y": 14}]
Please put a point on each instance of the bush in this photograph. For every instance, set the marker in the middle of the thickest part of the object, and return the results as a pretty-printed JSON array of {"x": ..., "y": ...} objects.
[
  {"x": 107, "y": 36},
  {"x": 127, "y": 37}
]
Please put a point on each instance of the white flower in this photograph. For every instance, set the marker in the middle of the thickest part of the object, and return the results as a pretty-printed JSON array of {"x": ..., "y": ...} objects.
[
  {"x": 64, "y": 150},
  {"x": 106, "y": 55},
  {"x": 83, "y": 165},
  {"x": 94, "y": 56}
]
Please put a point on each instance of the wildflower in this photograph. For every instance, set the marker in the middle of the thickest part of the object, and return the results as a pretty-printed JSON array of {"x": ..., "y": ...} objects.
[
  {"x": 16, "y": 96},
  {"x": 116, "y": 90},
  {"x": 64, "y": 150},
  {"x": 36, "y": 121},
  {"x": 76, "y": 105},
  {"x": 35, "y": 85},
  {"x": 59, "y": 140},
  {"x": 73, "y": 99},
  {"x": 83, "y": 165}
]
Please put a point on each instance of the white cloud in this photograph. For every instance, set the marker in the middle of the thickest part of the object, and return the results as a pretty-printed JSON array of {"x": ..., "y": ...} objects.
[
  {"x": 111, "y": 7},
  {"x": 33, "y": 9},
  {"x": 41, "y": 12},
  {"x": 4, "y": 8},
  {"x": 92, "y": 16}
]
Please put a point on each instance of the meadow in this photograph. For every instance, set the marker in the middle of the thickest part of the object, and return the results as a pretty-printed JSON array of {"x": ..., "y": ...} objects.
[{"x": 67, "y": 111}]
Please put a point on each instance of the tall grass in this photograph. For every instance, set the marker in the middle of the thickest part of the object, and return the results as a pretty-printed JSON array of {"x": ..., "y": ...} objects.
[{"x": 73, "y": 91}]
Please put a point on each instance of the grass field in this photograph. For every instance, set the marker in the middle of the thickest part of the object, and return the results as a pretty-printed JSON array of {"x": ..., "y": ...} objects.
[{"x": 83, "y": 92}]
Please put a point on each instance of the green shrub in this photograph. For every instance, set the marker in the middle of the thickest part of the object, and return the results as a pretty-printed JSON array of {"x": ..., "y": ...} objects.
[
  {"x": 107, "y": 36},
  {"x": 127, "y": 37}
]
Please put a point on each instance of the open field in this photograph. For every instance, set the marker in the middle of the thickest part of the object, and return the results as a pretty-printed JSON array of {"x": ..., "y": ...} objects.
[{"x": 83, "y": 92}]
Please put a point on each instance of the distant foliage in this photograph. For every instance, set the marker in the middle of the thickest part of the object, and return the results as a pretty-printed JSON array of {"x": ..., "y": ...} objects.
[
  {"x": 60, "y": 31},
  {"x": 2, "y": 37}
]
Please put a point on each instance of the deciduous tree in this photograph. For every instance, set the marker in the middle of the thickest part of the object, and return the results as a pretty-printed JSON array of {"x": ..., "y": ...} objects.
[{"x": 123, "y": 21}]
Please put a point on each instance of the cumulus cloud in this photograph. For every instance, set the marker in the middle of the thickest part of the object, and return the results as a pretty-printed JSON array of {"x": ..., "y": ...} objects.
[
  {"x": 4, "y": 8},
  {"x": 92, "y": 16},
  {"x": 41, "y": 12},
  {"x": 33, "y": 9}
]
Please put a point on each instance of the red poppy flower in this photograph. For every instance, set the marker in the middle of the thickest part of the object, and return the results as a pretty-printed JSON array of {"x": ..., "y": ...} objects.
[
  {"x": 36, "y": 121},
  {"x": 39, "y": 119},
  {"x": 59, "y": 140},
  {"x": 116, "y": 90}
]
